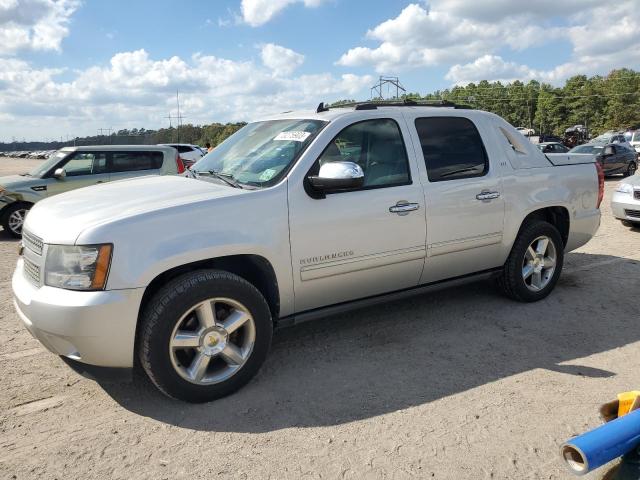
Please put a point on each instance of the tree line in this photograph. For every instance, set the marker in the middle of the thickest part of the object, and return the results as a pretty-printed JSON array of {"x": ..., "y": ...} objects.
[
  {"x": 213, "y": 133},
  {"x": 600, "y": 103}
]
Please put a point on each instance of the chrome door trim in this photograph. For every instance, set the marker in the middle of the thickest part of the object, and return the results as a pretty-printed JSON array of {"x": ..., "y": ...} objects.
[
  {"x": 365, "y": 262},
  {"x": 461, "y": 244}
]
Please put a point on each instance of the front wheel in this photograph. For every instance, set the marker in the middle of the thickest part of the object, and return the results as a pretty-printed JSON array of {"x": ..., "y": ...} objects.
[
  {"x": 204, "y": 335},
  {"x": 534, "y": 264},
  {"x": 13, "y": 218}
]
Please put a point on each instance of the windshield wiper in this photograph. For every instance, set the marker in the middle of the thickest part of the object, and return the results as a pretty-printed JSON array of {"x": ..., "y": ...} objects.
[
  {"x": 225, "y": 177},
  {"x": 461, "y": 170}
]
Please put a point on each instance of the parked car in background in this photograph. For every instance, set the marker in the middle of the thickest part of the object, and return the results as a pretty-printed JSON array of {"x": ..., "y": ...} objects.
[
  {"x": 292, "y": 218},
  {"x": 634, "y": 140},
  {"x": 190, "y": 154},
  {"x": 612, "y": 137},
  {"x": 615, "y": 158},
  {"x": 552, "y": 147},
  {"x": 75, "y": 167},
  {"x": 625, "y": 202},
  {"x": 527, "y": 132}
]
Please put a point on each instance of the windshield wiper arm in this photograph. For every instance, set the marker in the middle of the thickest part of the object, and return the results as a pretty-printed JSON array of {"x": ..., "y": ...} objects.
[{"x": 225, "y": 177}]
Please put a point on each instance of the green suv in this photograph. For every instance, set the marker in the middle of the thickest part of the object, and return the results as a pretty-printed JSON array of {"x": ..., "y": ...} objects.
[{"x": 75, "y": 167}]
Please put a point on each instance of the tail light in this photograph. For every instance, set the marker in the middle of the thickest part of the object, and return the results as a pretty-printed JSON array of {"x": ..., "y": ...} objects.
[
  {"x": 179, "y": 163},
  {"x": 600, "y": 184}
]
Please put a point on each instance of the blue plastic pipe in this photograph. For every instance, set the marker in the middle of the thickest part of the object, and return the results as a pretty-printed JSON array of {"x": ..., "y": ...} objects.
[{"x": 593, "y": 449}]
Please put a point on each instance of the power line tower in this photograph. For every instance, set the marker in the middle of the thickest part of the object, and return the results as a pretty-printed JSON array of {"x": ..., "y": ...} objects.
[{"x": 377, "y": 91}]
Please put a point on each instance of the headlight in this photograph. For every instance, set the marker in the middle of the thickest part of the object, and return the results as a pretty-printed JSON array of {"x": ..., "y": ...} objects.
[
  {"x": 624, "y": 188},
  {"x": 77, "y": 267}
]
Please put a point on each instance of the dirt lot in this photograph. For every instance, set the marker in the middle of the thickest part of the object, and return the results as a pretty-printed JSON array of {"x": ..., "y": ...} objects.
[{"x": 459, "y": 384}]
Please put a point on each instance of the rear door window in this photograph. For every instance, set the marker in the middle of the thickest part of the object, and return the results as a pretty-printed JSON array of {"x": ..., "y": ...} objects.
[
  {"x": 452, "y": 148},
  {"x": 135, "y": 161}
]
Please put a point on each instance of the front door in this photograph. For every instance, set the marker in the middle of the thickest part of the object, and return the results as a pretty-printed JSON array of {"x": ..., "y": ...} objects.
[
  {"x": 356, "y": 244},
  {"x": 82, "y": 169},
  {"x": 464, "y": 204}
]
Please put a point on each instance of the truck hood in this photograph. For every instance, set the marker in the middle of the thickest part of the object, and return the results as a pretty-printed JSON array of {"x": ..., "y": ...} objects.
[{"x": 61, "y": 219}]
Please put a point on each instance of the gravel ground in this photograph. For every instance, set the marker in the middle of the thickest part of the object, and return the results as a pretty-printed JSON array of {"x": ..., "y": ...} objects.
[{"x": 458, "y": 384}]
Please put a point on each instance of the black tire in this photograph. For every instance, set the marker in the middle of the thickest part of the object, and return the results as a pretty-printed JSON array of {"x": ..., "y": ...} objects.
[
  {"x": 511, "y": 280},
  {"x": 6, "y": 216},
  {"x": 162, "y": 313},
  {"x": 631, "y": 169}
]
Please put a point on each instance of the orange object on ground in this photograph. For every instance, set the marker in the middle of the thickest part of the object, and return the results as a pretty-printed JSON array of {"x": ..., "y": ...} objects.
[{"x": 628, "y": 401}]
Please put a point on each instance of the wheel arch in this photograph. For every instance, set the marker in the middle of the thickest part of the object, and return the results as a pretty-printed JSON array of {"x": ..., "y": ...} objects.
[
  {"x": 255, "y": 269},
  {"x": 558, "y": 216}
]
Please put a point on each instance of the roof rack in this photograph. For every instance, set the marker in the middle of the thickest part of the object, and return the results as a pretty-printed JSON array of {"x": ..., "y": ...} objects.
[{"x": 373, "y": 105}]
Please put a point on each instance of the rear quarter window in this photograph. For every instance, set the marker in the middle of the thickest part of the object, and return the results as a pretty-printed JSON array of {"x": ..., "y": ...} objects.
[{"x": 135, "y": 161}]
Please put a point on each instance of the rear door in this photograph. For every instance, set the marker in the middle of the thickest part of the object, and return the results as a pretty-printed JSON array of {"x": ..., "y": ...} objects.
[
  {"x": 463, "y": 194},
  {"x": 82, "y": 169},
  {"x": 136, "y": 163}
]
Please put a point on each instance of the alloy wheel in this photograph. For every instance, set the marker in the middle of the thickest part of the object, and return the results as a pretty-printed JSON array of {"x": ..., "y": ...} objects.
[
  {"x": 539, "y": 263},
  {"x": 212, "y": 341},
  {"x": 16, "y": 220}
]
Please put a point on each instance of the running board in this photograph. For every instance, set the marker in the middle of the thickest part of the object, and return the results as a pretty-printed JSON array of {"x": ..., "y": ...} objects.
[{"x": 338, "y": 308}]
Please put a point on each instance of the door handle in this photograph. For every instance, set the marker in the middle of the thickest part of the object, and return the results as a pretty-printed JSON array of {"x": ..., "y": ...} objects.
[
  {"x": 403, "y": 207},
  {"x": 487, "y": 195}
]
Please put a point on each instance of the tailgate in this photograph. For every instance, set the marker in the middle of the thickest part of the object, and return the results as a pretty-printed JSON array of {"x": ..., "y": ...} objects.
[{"x": 558, "y": 159}]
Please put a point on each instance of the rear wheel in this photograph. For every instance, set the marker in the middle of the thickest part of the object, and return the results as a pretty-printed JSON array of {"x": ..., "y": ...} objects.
[
  {"x": 13, "y": 218},
  {"x": 534, "y": 264},
  {"x": 631, "y": 169},
  {"x": 204, "y": 335}
]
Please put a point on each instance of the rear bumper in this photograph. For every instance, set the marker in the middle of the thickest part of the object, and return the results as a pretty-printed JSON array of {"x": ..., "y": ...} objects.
[
  {"x": 94, "y": 328},
  {"x": 622, "y": 204},
  {"x": 582, "y": 228}
]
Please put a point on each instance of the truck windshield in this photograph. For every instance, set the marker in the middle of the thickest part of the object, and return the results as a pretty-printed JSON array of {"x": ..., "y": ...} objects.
[
  {"x": 260, "y": 153},
  {"x": 45, "y": 166}
]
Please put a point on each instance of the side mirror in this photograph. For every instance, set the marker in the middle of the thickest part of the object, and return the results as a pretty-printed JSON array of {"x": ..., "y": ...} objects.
[
  {"x": 337, "y": 176},
  {"x": 59, "y": 173},
  {"x": 608, "y": 151}
]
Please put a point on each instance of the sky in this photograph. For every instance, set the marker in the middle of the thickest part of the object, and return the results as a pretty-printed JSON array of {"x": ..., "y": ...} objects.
[{"x": 71, "y": 67}]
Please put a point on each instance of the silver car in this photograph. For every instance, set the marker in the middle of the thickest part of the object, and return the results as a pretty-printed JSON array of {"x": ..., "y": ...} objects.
[{"x": 626, "y": 201}]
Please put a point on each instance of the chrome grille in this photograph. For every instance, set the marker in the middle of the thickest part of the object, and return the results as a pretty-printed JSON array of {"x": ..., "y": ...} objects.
[
  {"x": 32, "y": 242},
  {"x": 636, "y": 194},
  {"x": 632, "y": 213},
  {"x": 31, "y": 271}
]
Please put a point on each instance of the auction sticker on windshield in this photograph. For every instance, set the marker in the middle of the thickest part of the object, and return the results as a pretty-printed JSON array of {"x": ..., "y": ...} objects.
[{"x": 293, "y": 136}]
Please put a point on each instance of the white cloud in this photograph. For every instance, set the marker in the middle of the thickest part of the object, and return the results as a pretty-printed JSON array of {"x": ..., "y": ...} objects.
[
  {"x": 34, "y": 24},
  {"x": 136, "y": 90},
  {"x": 259, "y": 12},
  {"x": 281, "y": 60},
  {"x": 602, "y": 33},
  {"x": 596, "y": 50}
]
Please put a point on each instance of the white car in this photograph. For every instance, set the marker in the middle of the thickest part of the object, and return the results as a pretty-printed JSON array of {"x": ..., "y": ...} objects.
[
  {"x": 634, "y": 140},
  {"x": 625, "y": 202},
  {"x": 527, "y": 132},
  {"x": 293, "y": 218},
  {"x": 612, "y": 137},
  {"x": 189, "y": 153}
]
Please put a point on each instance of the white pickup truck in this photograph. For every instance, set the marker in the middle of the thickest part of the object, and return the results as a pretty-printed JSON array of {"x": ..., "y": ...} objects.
[{"x": 294, "y": 217}]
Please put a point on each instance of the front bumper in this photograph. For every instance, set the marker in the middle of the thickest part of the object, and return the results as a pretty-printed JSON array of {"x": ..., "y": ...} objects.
[
  {"x": 622, "y": 204},
  {"x": 95, "y": 328}
]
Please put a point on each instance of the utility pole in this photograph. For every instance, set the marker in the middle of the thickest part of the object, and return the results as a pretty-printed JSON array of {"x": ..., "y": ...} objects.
[{"x": 389, "y": 82}]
